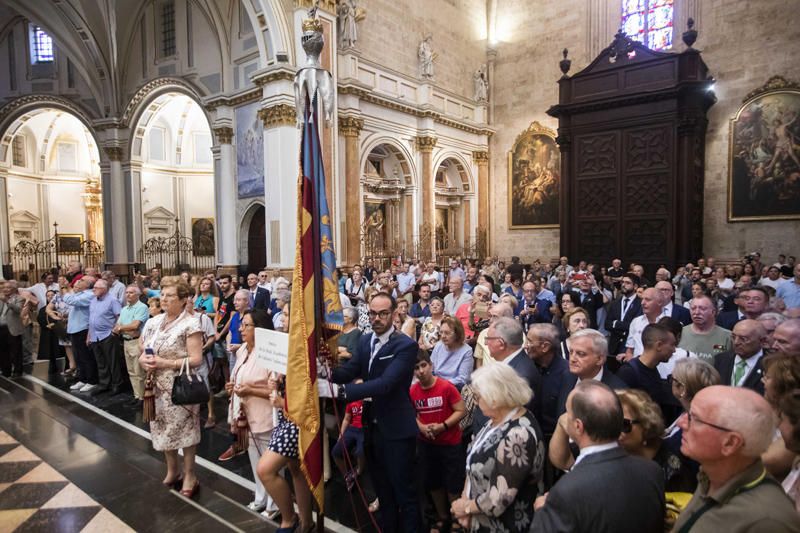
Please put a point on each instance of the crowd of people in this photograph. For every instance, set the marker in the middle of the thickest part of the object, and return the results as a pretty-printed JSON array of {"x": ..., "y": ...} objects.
[{"x": 484, "y": 396}]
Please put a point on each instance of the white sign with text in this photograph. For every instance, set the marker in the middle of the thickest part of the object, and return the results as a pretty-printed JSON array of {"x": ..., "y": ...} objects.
[{"x": 272, "y": 349}]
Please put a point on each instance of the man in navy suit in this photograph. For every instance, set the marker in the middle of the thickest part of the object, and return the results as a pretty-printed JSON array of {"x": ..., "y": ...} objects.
[
  {"x": 741, "y": 367},
  {"x": 385, "y": 362},
  {"x": 587, "y": 358},
  {"x": 259, "y": 296},
  {"x": 678, "y": 312},
  {"x": 620, "y": 314}
]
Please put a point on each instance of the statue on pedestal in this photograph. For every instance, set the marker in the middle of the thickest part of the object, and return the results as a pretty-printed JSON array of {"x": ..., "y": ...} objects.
[
  {"x": 481, "y": 82},
  {"x": 426, "y": 56},
  {"x": 347, "y": 17}
]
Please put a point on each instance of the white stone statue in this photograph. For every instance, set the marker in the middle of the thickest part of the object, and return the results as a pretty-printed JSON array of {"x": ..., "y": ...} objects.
[
  {"x": 481, "y": 84},
  {"x": 426, "y": 57},
  {"x": 348, "y": 32},
  {"x": 313, "y": 80}
]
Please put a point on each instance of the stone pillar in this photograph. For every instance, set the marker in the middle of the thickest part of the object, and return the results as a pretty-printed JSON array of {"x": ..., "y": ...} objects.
[
  {"x": 408, "y": 200},
  {"x": 350, "y": 127},
  {"x": 425, "y": 146},
  {"x": 5, "y": 231},
  {"x": 225, "y": 201},
  {"x": 116, "y": 211},
  {"x": 281, "y": 156},
  {"x": 481, "y": 159},
  {"x": 93, "y": 202},
  {"x": 466, "y": 218}
]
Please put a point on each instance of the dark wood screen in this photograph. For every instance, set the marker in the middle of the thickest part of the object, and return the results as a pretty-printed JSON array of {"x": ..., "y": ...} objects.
[{"x": 632, "y": 133}]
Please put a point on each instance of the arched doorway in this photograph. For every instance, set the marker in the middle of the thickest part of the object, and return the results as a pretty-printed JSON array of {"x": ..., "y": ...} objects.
[
  {"x": 452, "y": 216},
  {"x": 257, "y": 241}
]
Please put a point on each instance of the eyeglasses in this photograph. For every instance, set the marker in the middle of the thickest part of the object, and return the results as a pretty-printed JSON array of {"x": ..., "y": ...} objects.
[
  {"x": 382, "y": 314},
  {"x": 693, "y": 418},
  {"x": 627, "y": 424}
]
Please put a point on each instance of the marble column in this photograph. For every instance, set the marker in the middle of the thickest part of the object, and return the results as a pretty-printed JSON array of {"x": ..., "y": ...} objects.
[
  {"x": 481, "y": 159},
  {"x": 5, "y": 231},
  {"x": 465, "y": 218},
  {"x": 281, "y": 155},
  {"x": 408, "y": 200},
  {"x": 425, "y": 145},
  {"x": 225, "y": 200},
  {"x": 116, "y": 201},
  {"x": 350, "y": 127}
]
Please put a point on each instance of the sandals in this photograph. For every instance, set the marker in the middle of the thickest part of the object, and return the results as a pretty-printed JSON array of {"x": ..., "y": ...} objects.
[{"x": 189, "y": 493}]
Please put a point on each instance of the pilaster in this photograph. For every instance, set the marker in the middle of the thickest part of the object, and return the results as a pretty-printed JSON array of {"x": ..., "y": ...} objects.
[{"x": 350, "y": 128}]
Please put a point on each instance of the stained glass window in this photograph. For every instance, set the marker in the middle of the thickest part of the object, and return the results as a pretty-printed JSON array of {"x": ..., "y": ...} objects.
[
  {"x": 649, "y": 22},
  {"x": 41, "y": 46}
]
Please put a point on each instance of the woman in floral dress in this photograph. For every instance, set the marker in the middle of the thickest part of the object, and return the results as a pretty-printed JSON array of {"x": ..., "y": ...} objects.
[
  {"x": 173, "y": 336},
  {"x": 505, "y": 459}
]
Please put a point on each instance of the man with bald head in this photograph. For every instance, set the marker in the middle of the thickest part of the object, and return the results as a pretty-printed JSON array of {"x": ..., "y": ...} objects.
[
  {"x": 741, "y": 367},
  {"x": 678, "y": 312},
  {"x": 652, "y": 309},
  {"x": 606, "y": 489},
  {"x": 786, "y": 338},
  {"x": 726, "y": 430}
]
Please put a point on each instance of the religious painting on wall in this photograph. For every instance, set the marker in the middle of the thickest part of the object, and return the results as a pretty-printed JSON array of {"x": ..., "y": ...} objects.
[
  {"x": 374, "y": 225},
  {"x": 442, "y": 229},
  {"x": 534, "y": 179},
  {"x": 203, "y": 236},
  {"x": 69, "y": 242},
  {"x": 249, "y": 141},
  {"x": 764, "y": 160}
]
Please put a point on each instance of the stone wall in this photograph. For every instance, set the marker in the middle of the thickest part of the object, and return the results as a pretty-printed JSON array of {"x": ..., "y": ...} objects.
[
  {"x": 391, "y": 32},
  {"x": 743, "y": 43}
]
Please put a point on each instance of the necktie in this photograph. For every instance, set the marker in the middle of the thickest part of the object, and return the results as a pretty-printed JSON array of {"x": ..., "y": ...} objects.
[
  {"x": 625, "y": 303},
  {"x": 738, "y": 372},
  {"x": 373, "y": 345}
]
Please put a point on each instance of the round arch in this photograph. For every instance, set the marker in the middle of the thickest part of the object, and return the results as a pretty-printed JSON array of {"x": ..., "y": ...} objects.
[
  {"x": 463, "y": 166},
  {"x": 412, "y": 177},
  {"x": 249, "y": 219}
]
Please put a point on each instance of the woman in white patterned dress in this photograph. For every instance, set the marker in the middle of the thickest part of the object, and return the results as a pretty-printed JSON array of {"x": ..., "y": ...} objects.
[{"x": 174, "y": 336}]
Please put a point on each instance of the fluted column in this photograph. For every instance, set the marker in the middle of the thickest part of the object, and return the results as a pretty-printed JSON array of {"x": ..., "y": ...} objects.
[
  {"x": 425, "y": 146},
  {"x": 350, "y": 128},
  {"x": 225, "y": 200}
]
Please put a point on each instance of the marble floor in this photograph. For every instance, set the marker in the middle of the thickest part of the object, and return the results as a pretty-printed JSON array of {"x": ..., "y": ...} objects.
[{"x": 101, "y": 446}]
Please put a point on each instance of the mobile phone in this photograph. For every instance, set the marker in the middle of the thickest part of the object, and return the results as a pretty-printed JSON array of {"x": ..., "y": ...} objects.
[{"x": 149, "y": 352}]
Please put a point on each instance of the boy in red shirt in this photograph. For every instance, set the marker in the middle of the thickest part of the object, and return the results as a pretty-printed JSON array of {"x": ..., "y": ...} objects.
[
  {"x": 439, "y": 408},
  {"x": 352, "y": 438}
]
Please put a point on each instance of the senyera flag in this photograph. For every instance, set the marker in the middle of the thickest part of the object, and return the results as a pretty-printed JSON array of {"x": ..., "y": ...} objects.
[{"x": 315, "y": 314}]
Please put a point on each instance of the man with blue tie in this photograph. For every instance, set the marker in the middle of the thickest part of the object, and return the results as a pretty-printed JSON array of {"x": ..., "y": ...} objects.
[{"x": 385, "y": 362}]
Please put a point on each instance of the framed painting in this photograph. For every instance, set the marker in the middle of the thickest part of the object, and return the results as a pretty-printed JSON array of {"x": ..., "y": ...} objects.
[
  {"x": 375, "y": 225},
  {"x": 69, "y": 242},
  {"x": 249, "y": 141},
  {"x": 534, "y": 179},
  {"x": 203, "y": 236},
  {"x": 764, "y": 157}
]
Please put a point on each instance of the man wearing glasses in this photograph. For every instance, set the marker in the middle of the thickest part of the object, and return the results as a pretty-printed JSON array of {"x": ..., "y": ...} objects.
[
  {"x": 726, "y": 431},
  {"x": 385, "y": 362}
]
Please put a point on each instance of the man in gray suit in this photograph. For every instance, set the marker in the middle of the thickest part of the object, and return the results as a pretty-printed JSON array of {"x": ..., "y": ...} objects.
[
  {"x": 606, "y": 491},
  {"x": 11, "y": 329},
  {"x": 505, "y": 340}
]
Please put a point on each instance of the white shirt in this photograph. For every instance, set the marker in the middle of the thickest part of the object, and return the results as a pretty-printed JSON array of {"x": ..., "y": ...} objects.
[
  {"x": 40, "y": 291},
  {"x": 597, "y": 448},
  {"x": 750, "y": 364},
  {"x": 635, "y": 334},
  {"x": 376, "y": 347},
  {"x": 597, "y": 377},
  {"x": 451, "y": 304},
  {"x": 665, "y": 369},
  {"x": 667, "y": 311}
]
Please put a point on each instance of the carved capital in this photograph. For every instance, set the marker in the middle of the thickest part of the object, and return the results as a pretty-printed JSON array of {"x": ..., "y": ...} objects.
[
  {"x": 480, "y": 158},
  {"x": 350, "y": 126},
  {"x": 426, "y": 143},
  {"x": 325, "y": 5},
  {"x": 224, "y": 134},
  {"x": 114, "y": 153},
  {"x": 277, "y": 115}
]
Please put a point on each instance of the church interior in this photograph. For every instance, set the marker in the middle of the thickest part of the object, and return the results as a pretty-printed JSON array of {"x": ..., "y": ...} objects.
[{"x": 145, "y": 134}]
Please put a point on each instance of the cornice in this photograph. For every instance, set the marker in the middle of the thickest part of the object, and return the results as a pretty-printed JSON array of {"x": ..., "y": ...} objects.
[{"x": 232, "y": 101}]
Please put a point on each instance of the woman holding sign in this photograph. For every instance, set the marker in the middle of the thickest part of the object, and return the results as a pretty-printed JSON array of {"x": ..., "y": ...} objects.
[{"x": 250, "y": 409}]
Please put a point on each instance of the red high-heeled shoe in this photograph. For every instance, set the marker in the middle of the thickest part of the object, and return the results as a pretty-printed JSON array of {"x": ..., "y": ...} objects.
[{"x": 189, "y": 493}]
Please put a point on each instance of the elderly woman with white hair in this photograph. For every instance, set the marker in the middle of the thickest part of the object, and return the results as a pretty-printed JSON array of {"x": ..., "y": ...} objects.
[{"x": 505, "y": 459}]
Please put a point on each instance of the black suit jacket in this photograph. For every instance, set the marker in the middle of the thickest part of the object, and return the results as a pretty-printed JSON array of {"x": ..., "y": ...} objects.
[
  {"x": 592, "y": 302},
  {"x": 724, "y": 362},
  {"x": 607, "y": 492},
  {"x": 681, "y": 314},
  {"x": 571, "y": 379},
  {"x": 387, "y": 383},
  {"x": 527, "y": 370},
  {"x": 618, "y": 325},
  {"x": 728, "y": 319}
]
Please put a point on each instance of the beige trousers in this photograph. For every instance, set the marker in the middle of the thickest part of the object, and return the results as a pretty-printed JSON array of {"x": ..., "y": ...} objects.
[{"x": 135, "y": 370}]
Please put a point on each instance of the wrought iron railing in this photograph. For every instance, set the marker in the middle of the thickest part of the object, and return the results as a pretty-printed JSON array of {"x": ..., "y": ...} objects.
[{"x": 174, "y": 254}]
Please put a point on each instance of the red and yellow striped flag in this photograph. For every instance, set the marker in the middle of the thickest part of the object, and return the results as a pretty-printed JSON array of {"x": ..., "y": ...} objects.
[{"x": 315, "y": 314}]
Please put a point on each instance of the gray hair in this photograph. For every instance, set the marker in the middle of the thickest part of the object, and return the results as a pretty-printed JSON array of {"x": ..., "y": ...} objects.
[
  {"x": 599, "y": 341},
  {"x": 284, "y": 295},
  {"x": 546, "y": 332},
  {"x": 134, "y": 287},
  {"x": 509, "y": 330},
  {"x": 351, "y": 313},
  {"x": 499, "y": 385},
  {"x": 695, "y": 375},
  {"x": 777, "y": 317},
  {"x": 481, "y": 288}
]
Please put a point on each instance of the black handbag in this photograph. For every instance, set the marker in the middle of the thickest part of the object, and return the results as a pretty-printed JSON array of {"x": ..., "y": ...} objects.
[{"x": 188, "y": 388}]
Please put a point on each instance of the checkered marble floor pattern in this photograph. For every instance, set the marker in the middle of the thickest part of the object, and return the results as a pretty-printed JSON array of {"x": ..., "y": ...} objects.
[{"x": 35, "y": 497}]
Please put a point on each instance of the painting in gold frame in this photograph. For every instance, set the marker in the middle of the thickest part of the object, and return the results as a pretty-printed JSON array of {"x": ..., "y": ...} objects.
[
  {"x": 764, "y": 154},
  {"x": 69, "y": 242},
  {"x": 534, "y": 179},
  {"x": 203, "y": 236}
]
